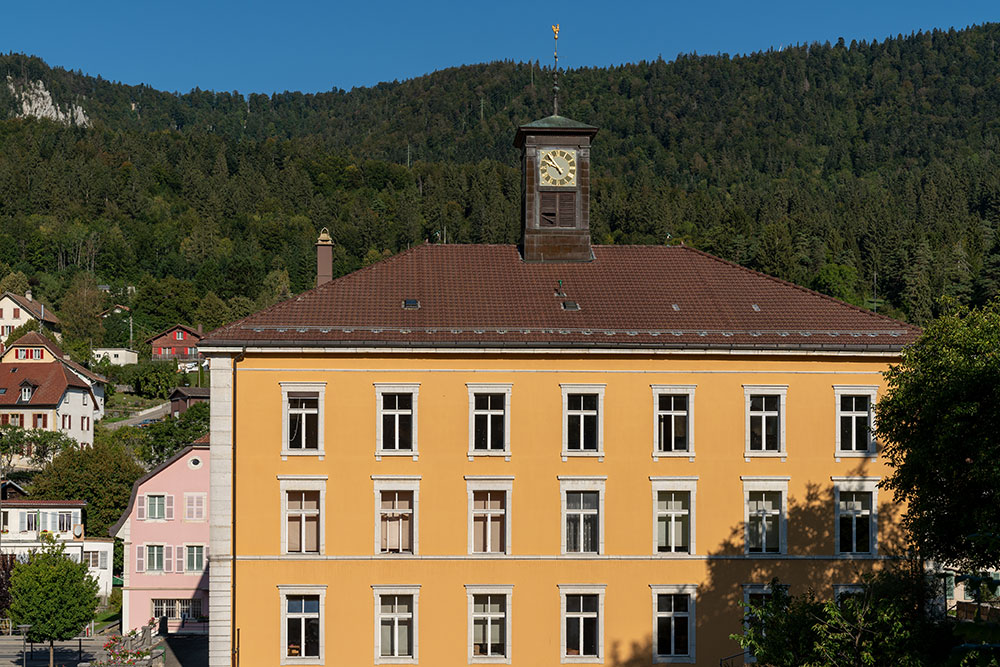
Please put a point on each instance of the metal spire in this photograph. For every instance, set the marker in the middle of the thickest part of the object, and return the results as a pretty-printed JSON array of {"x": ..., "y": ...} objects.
[{"x": 555, "y": 72}]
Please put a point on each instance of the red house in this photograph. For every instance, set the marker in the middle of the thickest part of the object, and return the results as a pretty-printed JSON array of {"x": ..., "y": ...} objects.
[{"x": 178, "y": 343}]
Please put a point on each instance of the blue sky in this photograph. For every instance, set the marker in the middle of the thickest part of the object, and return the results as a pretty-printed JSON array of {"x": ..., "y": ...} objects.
[{"x": 254, "y": 46}]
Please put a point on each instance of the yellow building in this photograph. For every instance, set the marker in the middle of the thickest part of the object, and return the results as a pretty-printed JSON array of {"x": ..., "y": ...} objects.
[{"x": 540, "y": 454}]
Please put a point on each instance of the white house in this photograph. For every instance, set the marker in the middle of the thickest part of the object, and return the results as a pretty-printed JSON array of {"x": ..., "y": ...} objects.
[
  {"x": 23, "y": 522},
  {"x": 16, "y": 310},
  {"x": 118, "y": 356},
  {"x": 41, "y": 389}
]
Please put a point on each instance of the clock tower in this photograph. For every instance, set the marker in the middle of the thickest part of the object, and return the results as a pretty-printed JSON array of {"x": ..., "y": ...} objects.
[{"x": 555, "y": 190}]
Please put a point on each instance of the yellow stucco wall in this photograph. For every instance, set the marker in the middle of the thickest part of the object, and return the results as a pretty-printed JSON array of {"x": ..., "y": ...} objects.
[{"x": 534, "y": 568}]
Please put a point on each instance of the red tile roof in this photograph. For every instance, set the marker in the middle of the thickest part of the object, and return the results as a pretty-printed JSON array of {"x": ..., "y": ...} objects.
[
  {"x": 35, "y": 307},
  {"x": 50, "y": 382},
  {"x": 35, "y": 339},
  {"x": 628, "y": 297},
  {"x": 194, "y": 332}
]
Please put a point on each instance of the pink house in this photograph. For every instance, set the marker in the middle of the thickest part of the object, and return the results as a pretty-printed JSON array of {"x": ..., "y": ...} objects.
[{"x": 165, "y": 530}]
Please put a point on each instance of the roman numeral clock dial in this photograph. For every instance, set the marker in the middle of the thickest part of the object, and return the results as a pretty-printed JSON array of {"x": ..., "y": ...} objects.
[{"x": 557, "y": 167}]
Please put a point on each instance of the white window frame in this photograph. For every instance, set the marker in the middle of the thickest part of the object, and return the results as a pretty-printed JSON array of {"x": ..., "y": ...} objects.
[
  {"x": 843, "y": 589},
  {"x": 691, "y": 590},
  {"x": 781, "y": 391},
  {"x": 472, "y": 590},
  {"x": 396, "y": 388},
  {"x": 748, "y": 590},
  {"x": 284, "y": 591},
  {"x": 673, "y": 390},
  {"x": 689, "y": 484},
  {"x": 377, "y": 593},
  {"x": 474, "y": 483},
  {"x": 25, "y": 393},
  {"x": 397, "y": 483},
  {"x": 567, "y": 389},
  {"x": 149, "y": 517},
  {"x": 581, "y": 589},
  {"x": 505, "y": 388},
  {"x": 856, "y": 484},
  {"x": 163, "y": 558},
  {"x": 318, "y": 388},
  {"x": 581, "y": 483},
  {"x": 766, "y": 483},
  {"x": 288, "y": 483},
  {"x": 871, "y": 391},
  {"x": 187, "y": 550}
]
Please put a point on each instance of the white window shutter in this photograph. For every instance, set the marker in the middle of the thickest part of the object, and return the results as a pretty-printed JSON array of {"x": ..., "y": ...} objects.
[
  {"x": 103, "y": 560},
  {"x": 180, "y": 558},
  {"x": 77, "y": 516},
  {"x": 141, "y": 511},
  {"x": 22, "y": 522},
  {"x": 168, "y": 558},
  {"x": 170, "y": 508},
  {"x": 140, "y": 558},
  {"x": 199, "y": 508},
  {"x": 43, "y": 520}
]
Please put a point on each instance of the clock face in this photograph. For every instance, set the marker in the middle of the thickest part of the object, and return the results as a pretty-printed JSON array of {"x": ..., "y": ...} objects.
[{"x": 557, "y": 167}]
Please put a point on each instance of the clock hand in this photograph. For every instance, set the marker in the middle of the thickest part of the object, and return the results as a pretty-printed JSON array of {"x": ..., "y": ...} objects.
[{"x": 548, "y": 156}]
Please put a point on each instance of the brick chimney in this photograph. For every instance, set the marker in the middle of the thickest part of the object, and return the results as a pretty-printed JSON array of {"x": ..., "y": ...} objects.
[{"x": 324, "y": 258}]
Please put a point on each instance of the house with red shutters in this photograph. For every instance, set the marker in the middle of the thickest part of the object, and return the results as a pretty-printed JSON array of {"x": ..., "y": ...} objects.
[
  {"x": 17, "y": 310},
  {"x": 40, "y": 388},
  {"x": 178, "y": 343}
]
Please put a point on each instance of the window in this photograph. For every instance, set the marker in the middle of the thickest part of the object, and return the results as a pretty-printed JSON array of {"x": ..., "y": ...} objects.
[
  {"x": 302, "y": 418},
  {"x": 37, "y": 354},
  {"x": 26, "y": 393},
  {"x": 154, "y": 557},
  {"x": 489, "y": 623},
  {"x": 855, "y": 420},
  {"x": 39, "y": 421},
  {"x": 396, "y": 624},
  {"x": 31, "y": 521},
  {"x": 178, "y": 335},
  {"x": 92, "y": 559},
  {"x": 842, "y": 591},
  {"x": 194, "y": 506},
  {"x": 85, "y": 399},
  {"x": 583, "y": 414},
  {"x": 17, "y": 313},
  {"x": 303, "y": 528},
  {"x": 673, "y": 429},
  {"x": 156, "y": 507},
  {"x": 65, "y": 522},
  {"x": 583, "y": 514},
  {"x": 582, "y": 610},
  {"x": 303, "y": 633},
  {"x": 489, "y": 420},
  {"x": 176, "y": 609},
  {"x": 673, "y": 514},
  {"x": 396, "y": 513},
  {"x": 194, "y": 557},
  {"x": 21, "y": 353},
  {"x": 674, "y": 623},
  {"x": 396, "y": 428},
  {"x": 765, "y": 500},
  {"x": 856, "y": 500},
  {"x": 489, "y": 514},
  {"x": 765, "y": 420}
]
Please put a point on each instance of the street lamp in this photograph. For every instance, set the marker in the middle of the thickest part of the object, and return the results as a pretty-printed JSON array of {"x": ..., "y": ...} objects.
[{"x": 24, "y": 634}]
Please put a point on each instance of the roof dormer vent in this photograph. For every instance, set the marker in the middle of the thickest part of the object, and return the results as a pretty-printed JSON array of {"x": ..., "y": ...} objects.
[
  {"x": 570, "y": 305},
  {"x": 411, "y": 304}
]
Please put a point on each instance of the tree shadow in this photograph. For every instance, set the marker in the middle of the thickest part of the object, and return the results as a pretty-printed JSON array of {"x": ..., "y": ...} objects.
[{"x": 811, "y": 562}]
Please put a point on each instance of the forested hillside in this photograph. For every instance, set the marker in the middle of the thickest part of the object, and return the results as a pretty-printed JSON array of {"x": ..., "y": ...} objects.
[{"x": 847, "y": 168}]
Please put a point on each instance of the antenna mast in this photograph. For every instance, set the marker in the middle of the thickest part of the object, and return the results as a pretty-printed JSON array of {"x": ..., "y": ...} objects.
[{"x": 555, "y": 72}]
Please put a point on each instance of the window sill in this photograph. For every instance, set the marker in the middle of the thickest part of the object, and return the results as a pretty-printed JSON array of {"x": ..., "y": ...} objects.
[
  {"x": 488, "y": 660},
  {"x": 285, "y": 453},
  {"x": 591, "y": 659},
  {"x": 568, "y": 454},
  {"x": 747, "y": 455},
  {"x": 765, "y": 555},
  {"x": 290, "y": 660},
  {"x": 395, "y": 661},
  {"x": 581, "y": 555},
  {"x": 855, "y": 455},
  {"x": 475, "y": 453},
  {"x": 673, "y": 660},
  {"x": 674, "y": 455},
  {"x": 396, "y": 453},
  {"x": 857, "y": 556},
  {"x": 406, "y": 554},
  {"x": 673, "y": 555},
  {"x": 500, "y": 555}
]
